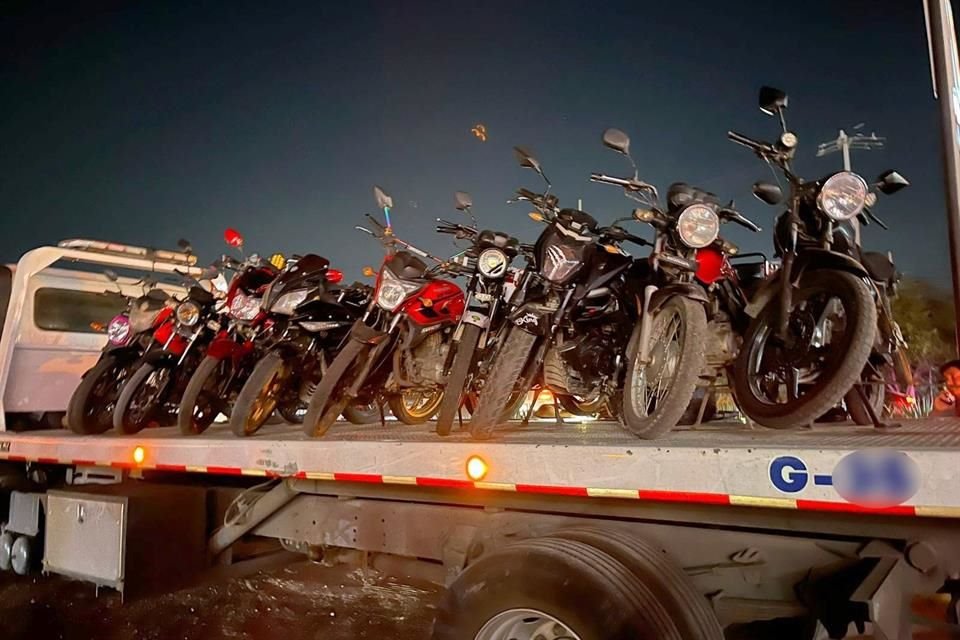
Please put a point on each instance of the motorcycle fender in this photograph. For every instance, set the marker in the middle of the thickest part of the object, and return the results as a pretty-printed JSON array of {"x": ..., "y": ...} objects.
[
  {"x": 362, "y": 333},
  {"x": 222, "y": 348},
  {"x": 531, "y": 321},
  {"x": 476, "y": 318},
  {"x": 687, "y": 290}
]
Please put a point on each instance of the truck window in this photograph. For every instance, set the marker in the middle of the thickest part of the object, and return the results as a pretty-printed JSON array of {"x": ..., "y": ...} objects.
[{"x": 74, "y": 311}]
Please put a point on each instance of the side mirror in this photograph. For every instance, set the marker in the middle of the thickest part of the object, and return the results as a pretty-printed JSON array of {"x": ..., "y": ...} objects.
[
  {"x": 383, "y": 200},
  {"x": 772, "y": 100},
  {"x": 111, "y": 275},
  {"x": 185, "y": 245},
  {"x": 890, "y": 182},
  {"x": 463, "y": 200},
  {"x": 768, "y": 192},
  {"x": 526, "y": 160},
  {"x": 232, "y": 237},
  {"x": 617, "y": 140}
]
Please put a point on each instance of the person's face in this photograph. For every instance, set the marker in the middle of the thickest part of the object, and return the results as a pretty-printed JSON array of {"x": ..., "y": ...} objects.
[{"x": 952, "y": 378}]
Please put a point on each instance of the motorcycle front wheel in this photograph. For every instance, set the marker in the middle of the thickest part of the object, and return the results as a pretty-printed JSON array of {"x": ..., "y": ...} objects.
[
  {"x": 657, "y": 393},
  {"x": 789, "y": 381},
  {"x": 329, "y": 400},
  {"x": 142, "y": 399},
  {"x": 205, "y": 396},
  {"x": 259, "y": 396},
  {"x": 499, "y": 389},
  {"x": 91, "y": 406},
  {"x": 456, "y": 387}
]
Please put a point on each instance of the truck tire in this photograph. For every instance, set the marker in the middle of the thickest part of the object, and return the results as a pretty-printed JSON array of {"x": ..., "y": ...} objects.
[
  {"x": 498, "y": 390},
  {"x": 248, "y": 416},
  {"x": 23, "y": 555},
  {"x": 687, "y": 607},
  {"x": 549, "y": 585},
  {"x": 90, "y": 409},
  {"x": 455, "y": 388},
  {"x": 651, "y": 422},
  {"x": 6, "y": 550}
]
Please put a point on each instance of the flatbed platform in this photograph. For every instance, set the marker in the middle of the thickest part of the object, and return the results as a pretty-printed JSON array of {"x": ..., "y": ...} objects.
[{"x": 715, "y": 464}]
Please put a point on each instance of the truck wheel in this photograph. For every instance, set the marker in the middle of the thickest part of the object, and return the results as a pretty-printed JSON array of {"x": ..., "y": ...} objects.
[
  {"x": 456, "y": 388},
  {"x": 551, "y": 588},
  {"x": 6, "y": 550},
  {"x": 22, "y": 555},
  {"x": 687, "y": 607}
]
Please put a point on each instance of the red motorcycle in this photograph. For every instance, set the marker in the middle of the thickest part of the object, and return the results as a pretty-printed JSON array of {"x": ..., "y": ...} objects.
[
  {"x": 396, "y": 352},
  {"x": 232, "y": 355}
]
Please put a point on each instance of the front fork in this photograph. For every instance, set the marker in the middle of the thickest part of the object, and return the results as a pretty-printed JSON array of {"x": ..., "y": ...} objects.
[{"x": 646, "y": 324}]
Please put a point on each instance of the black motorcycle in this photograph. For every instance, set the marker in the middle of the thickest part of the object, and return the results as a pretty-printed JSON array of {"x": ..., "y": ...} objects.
[
  {"x": 487, "y": 265},
  {"x": 688, "y": 279},
  {"x": 814, "y": 323},
  {"x": 575, "y": 313},
  {"x": 310, "y": 316}
]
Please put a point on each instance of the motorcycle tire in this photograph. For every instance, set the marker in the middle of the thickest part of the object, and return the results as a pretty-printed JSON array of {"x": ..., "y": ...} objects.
[
  {"x": 402, "y": 412},
  {"x": 327, "y": 402},
  {"x": 248, "y": 416},
  {"x": 455, "y": 389},
  {"x": 499, "y": 388},
  {"x": 88, "y": 412},
  {"x": 187, "y": 420},
  {"x": 362, "y": 414},
  {"x": 842, "y": 373},
  {"x": 123, "y": 422},
  {"x": 668, "y": 410},
  {"x": 876, "y": 392}
]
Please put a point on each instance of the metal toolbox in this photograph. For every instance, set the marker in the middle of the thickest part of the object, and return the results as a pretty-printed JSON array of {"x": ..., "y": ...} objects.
[{"x": 127, "y": 536}]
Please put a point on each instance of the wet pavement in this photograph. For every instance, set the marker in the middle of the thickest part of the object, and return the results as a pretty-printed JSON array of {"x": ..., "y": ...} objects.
[{"x": 301, "y": 601}]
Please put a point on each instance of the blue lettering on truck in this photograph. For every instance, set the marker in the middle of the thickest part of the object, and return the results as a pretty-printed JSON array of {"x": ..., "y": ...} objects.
[{"x": 870, "y": 477}]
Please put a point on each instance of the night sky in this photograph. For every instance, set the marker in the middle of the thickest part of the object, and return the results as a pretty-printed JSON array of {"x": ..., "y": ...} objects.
[{"x": 148, "y": 122}]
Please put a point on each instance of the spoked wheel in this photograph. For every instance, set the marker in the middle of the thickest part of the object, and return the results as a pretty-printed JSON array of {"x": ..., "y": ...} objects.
[
  {"x": 789, "y": 381},
  {"x": 142, "y": 401},
  {"x": 91, "y": 406},
  {"x": 656, "y": 393},
  {"x": 259, "y": 397},
  {"x": 415, "y": 406},
  {"x": 206, "y": 395}
]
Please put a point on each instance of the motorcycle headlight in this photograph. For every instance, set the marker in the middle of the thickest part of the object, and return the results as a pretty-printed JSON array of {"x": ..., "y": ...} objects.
[
  {"x": 560, "y": 262},
  {"x": 244, "y": 307},
  {"x": 188, "y": 314},
  {"x": 492, "y": 263},
  {"x": 118, "y": 331},
  {"x": 842, "y": 196},
  {"x": 286, "y": 303},
  {"x": 393, "y": 291},
  {"x": 698, "y": 226}
]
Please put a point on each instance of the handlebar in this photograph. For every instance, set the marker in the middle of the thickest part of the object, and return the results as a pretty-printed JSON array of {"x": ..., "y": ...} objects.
[
  {"x": 762, "y": 148},
  {"x": 630, "y": 184},
  {"x": 735, "y": 216}
]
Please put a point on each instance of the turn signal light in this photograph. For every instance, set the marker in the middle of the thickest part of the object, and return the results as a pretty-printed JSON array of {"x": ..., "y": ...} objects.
[
  {"x": 139, "y": 454},
  {"x": 476, "y": 468},
  {"x": 369, "y": 272}
]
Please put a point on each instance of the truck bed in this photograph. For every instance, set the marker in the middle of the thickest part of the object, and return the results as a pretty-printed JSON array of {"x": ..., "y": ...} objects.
[{"x": 715, "y": 464}]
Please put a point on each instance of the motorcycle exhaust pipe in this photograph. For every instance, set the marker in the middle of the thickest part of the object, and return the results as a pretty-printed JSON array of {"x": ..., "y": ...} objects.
[{"x": 645, "y": 321}]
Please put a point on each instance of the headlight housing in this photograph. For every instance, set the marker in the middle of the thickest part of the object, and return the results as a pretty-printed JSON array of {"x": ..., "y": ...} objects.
[
  {"x": 118, "y": 331},
  {"x": 188, "y": 314},
  {"x": 287, "y": 302},
  {"x": 393, "y": 291},
  {"x": 698, "y": 226},
  {"x": 560, "y": 262},
  {"x": 842, "y": 196},
  {"x": 492, "y": 263},
  {"x": 244, "y": 307}
]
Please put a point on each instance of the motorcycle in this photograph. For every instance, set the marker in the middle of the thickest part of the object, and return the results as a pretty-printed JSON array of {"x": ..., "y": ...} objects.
[
  {"x": 310, "y": 320},
  {"x": 152, "y": 395},
  {"x": 487, "y": 264},
  {"x": 575, "y": 313},
  {"x": 231, "y": 356},
  {"x": 397, "y": 349},
  {"x": 129, "y": 336},
  {"x": 814, "y": 323},
  {"x": 692, "y": 260}
]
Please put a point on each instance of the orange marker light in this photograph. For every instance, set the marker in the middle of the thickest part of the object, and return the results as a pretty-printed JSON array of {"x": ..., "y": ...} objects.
[
  {"x": 138, "y": 455},
  {"x": 476, "y": 468}
]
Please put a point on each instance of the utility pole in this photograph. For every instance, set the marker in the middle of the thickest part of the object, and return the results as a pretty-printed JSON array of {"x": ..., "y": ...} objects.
[
  {"x": 845, "y": 143},
  {"x": 941, "y": 37}
]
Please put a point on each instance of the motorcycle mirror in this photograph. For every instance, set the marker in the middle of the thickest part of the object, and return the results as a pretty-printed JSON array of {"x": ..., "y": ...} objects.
[
  {"x": 890, "y": 182},
  {"x": 772, "y": 100},
  {"x": 185, "y": 245},
  {"x": 617, "y": 140},
  {"x": 208, "y": 273},
  {"x": 111, "y": 275},
  {"x": 535, "y": 216},
  {"x": 768, "y": 192},
  {"x": 526, "y": 160},
  {"x": 369, "y": 272},
  {"x": 463, "y": 200},
  {"x": 232, "y": 237},
  {"x": 383, "y": 200}
]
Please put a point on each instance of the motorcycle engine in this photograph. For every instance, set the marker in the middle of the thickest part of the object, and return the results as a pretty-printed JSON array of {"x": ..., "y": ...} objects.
[
  {"x": 578, "y": 364},
  {"x": 723, "y": 343},
  {"x": 423, "y": 365}
]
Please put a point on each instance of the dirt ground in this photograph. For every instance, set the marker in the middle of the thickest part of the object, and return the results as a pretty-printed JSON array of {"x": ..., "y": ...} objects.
[{"x": 301, "y": 601}]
